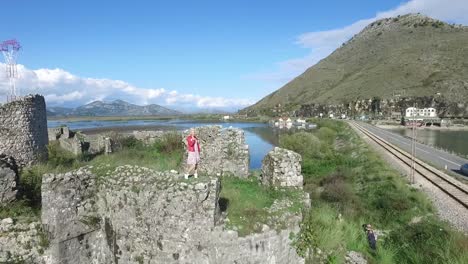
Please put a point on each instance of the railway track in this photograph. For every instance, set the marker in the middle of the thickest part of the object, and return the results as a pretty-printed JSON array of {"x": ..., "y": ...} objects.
[{"x": 453, "y": 188}]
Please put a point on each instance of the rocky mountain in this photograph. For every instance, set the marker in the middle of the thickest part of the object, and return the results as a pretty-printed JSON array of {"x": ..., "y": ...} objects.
[
  {"x": 59, "y": 111},
  {"x": 406, "y": 56},
  {"x": 114, "y": 108}
]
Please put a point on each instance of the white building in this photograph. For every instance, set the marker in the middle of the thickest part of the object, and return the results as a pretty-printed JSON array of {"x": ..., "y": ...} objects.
[
  {"x": 420, "y": 112},
  {"x": 226, "y": 117},
  {"x": 301, "y": 121}
]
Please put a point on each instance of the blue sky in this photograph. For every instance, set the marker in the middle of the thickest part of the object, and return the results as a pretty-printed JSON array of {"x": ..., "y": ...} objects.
[{"x": 188, "y": 53}]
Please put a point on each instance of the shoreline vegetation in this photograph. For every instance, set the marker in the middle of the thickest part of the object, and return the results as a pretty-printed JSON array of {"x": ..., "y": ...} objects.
[
  {"x": 191, "y": 117},
  {"x": 351, "y": 185}
]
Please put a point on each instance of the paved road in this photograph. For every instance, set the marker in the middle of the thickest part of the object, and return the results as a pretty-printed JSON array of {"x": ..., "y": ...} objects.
[{"x": 426, "y": 153}]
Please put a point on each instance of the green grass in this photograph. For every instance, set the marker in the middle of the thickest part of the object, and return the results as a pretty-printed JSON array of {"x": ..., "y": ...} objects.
[
  {"x": 247, "y": 201},
  {"x": 165, "y": 154},
  {"x": 353, "y": 186}
]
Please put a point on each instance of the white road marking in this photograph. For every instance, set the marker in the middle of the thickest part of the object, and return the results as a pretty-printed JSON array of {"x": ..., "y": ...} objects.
[
  {"x": 449, "y": 161},
  {"x": 423, "y": 150}
]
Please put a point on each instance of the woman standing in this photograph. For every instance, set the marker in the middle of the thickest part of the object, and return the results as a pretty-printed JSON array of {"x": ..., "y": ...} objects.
[{"x": 193, "y": 148}]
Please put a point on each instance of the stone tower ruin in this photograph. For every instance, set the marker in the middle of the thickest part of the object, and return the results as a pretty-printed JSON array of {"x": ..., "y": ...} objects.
[{"x": 23, "y": 130}]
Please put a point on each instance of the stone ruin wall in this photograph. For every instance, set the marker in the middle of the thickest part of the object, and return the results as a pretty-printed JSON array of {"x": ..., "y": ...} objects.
[
  {"x": 8, "y": 180},
  {"x": 282, "y": 168},
  {"x": 136, "y": 215},
  {"x": 78, "y": 143},
  {"x": 223, "y": 150},
  {"x": 23, "y": 130}
]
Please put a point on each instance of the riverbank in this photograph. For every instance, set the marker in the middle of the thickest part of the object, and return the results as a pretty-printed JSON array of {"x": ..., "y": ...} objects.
[
  {"x": 194, "y": 117},
  {"x": 125, "y": 129}
]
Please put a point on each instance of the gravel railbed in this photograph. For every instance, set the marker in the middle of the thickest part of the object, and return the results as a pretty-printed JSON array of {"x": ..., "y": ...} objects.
[{"x": 447, "y": 208}]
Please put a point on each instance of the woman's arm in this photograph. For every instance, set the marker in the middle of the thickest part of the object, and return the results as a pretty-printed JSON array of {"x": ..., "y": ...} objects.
[{"x": 190, "y": 141}]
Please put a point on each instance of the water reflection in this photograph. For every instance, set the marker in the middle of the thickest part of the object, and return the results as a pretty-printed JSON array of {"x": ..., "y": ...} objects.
[{"x": 454, "y": 141}]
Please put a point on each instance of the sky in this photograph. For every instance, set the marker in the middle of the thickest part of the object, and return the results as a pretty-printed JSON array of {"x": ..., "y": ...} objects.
[{"x": 186, "y": 55}]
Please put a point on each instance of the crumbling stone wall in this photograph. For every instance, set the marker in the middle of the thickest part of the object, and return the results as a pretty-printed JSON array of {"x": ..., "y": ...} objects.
[
  {"x": 282, "y": 167},
  {"x": 223, "y": 151},
  {"x": 78, "y": 143},
  {"x": 23, "y": 130},
  {"x": 8, "y": 179},
  {"x": 137, "y": 215},
  {"x": 148, "y": 137}
]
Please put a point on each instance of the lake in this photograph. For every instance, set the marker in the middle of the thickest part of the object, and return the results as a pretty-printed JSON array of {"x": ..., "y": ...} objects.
[
  {"x": 452, "y": 140},
  {"x": 260, "y": 137}
]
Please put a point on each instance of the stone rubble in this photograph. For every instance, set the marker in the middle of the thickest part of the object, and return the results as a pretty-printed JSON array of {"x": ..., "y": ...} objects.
[
  {"x": 354, "y": 257},
  {"x": 78, "y": 143},
  {"x": 21, "y": 242}
]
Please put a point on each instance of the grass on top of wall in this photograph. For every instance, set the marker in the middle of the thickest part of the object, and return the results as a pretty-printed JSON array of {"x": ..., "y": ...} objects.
[
  {"x": 247, "y": 203},
  {"x": 164, "y": 154},
  {"x": 351, "y": 185}
]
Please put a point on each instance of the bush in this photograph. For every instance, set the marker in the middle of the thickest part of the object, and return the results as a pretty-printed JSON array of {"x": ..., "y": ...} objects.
[
  {"x": 170, "y": 143},
  {"x": 303, "y": 143},
  {"x": 426, "y": 242},
  {"x": 335, "y": 189},
  {"x": 60, "y": 157},
  {"x": 327, "y": 135}
]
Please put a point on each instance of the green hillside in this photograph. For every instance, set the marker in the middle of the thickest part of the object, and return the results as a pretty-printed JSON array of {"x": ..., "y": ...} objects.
[{"x": 411, "y": 55}]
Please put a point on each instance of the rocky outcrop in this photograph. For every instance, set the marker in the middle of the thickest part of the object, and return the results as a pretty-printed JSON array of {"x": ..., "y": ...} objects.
[
  {"x": 23, "y": 130},
  {"x": 21, "y": 242},
  {"x": 8, "y": 179},
  {"x": 137, "y": 215},
  {"x": 282, "y": 167}
]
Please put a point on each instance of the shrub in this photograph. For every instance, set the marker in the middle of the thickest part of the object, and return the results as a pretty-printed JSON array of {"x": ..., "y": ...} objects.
[
  {"x": 335, "y": 189},
  {"x": 303, "y": 143},
  {"x": 169, "y": 143},
  {"x": 327, "y": 135},
  {"x": 60, "y": 157},
  {"x": 436, "y": 243}
]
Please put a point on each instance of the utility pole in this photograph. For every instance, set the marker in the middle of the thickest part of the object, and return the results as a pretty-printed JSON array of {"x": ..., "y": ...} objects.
[
  {"x": 413, "y": 144},
  {"x": 10, "y": 49}
]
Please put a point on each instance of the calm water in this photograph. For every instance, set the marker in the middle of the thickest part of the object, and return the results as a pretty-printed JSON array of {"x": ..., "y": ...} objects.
[
  {"x": 260, "y": 137},
  {"x": 456, "y": 141}
]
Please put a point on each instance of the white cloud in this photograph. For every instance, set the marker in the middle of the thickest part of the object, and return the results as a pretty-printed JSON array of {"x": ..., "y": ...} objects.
[
  {"x": 323, "y": 43},
  {"x": 62, "y": 88}
]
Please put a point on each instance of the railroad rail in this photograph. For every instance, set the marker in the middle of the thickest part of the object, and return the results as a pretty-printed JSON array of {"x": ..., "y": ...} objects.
[{"x": 453, "y": 188}]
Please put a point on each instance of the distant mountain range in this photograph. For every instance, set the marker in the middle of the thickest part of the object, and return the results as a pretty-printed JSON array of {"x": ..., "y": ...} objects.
[
  {"x": 114, "y": 108},
  {"x": 411, "y": 55}
]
